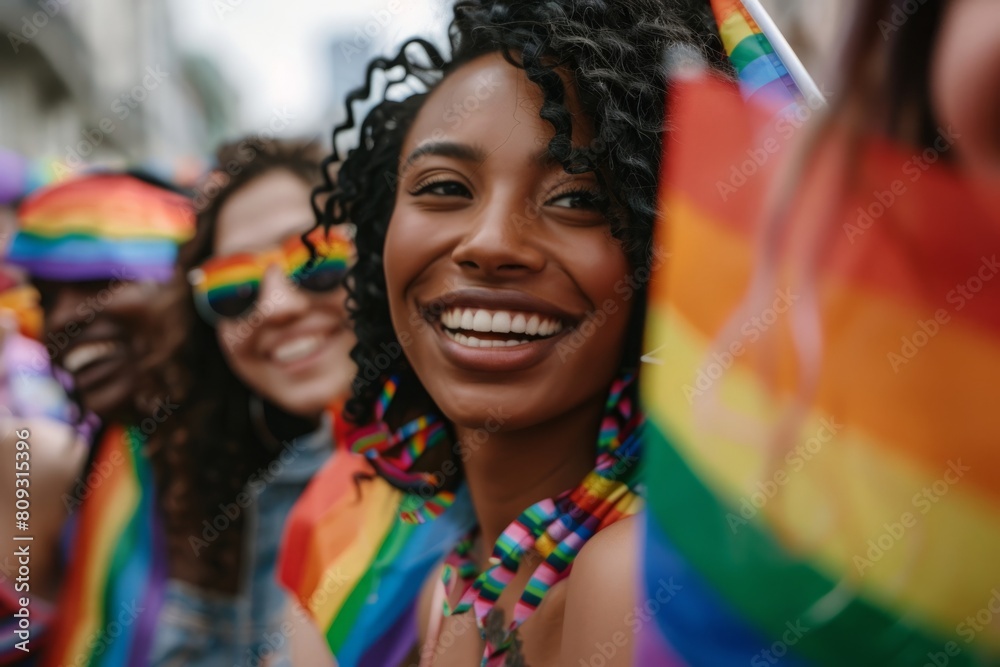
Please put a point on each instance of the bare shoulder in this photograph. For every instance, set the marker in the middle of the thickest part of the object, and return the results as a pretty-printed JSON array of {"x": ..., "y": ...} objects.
[
  {"x": 614, "y": 542},
  {"x": 600, "y": 595}
]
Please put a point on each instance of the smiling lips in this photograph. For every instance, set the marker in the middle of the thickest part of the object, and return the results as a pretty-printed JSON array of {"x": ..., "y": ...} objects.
[
  {"x": 496, "y": 326},
  {"x": 297, "y": 348},
  {"x": 86, "y": 354}
]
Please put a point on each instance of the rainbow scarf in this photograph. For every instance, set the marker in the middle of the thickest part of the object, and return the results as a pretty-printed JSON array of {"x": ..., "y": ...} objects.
[
  {"x": 393, "y": 455},
  {"x": 117, "y": 572},
  {"x": 101, "y": 226},
  {"x": 356, "y": 559},
  {"x": 822, "y": 427}
]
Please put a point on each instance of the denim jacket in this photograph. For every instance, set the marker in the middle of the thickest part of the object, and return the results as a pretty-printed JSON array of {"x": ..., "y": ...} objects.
[{"x": 204, "y": 629}]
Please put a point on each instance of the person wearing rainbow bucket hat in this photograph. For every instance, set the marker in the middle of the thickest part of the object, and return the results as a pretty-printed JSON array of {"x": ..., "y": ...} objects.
[{"x": 102, "y": 251}]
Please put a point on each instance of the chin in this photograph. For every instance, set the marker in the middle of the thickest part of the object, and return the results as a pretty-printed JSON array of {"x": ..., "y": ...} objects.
[
  {"x": 488, "y": 405},
  {"x": 110, "y": 404},
  {"x": 305, "y": 399}
]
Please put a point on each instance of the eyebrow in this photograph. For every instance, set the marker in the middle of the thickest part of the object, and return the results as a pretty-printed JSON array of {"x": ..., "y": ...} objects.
[
  {"x": 450, "y": 149},
  {"x": 466, "y": 153}
]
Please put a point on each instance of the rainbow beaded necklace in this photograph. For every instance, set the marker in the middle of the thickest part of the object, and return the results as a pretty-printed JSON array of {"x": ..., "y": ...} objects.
[{"x": 555, "y": 528}]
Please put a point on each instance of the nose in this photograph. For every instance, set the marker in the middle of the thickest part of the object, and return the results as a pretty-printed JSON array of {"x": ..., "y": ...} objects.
[
  {"x": 280, "y": 300},
  {"x": 499, "y": 242}
]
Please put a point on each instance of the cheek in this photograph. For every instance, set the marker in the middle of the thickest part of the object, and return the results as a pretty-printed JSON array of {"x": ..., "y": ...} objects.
[
  {"x": 234, "y": 342},
  {"x": 612, "y": 286},
  {"x": 404, "y": 257}
]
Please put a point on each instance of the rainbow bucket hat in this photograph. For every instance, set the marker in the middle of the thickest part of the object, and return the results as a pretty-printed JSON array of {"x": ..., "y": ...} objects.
[{"x": 101, "y": 226}]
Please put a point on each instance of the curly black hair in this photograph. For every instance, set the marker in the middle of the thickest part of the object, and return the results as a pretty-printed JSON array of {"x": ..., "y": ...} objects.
[{"x": 615, "y": 52}]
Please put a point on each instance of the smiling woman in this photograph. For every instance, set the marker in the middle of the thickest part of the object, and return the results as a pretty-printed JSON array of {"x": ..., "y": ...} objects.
[
  {"x": 273, "y": 338},
  {"x": 498, "y": 214}
]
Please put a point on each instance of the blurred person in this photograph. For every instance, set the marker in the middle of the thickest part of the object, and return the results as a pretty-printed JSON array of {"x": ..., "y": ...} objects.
[
  {"x": 102, "y": 251},
  {"x": 827, "y": 470},
  {"x": 275, "y": 337},
  {"x": 504, "y": 223},
  {"x": 41, "y": 449},
  {"x": 42, "y": 452}
]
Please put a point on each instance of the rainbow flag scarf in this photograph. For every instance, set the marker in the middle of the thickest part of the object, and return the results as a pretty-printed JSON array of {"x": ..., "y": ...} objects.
[
  {"x": 356, "y": 560},
  {"x": 821, "y": 406},
  {"x": 117, "y": 572},
  {"x": 101, "y": 226}
]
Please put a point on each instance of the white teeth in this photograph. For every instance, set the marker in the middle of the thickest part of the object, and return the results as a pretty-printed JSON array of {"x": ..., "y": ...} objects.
[
  {"x": 472, "y": 341},
  {"x": 501, "y": 322},
  {"x": 298, "y": 348},
  {"x": 87, "y": 353},
  {"x": 482, "y": 321}
]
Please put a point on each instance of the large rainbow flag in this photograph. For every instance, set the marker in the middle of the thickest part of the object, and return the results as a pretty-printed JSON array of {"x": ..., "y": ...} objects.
[
  {"x": 114, "y": 584},
  {"x": 357, "y": 566},
  {"x": 821, "y": 404}
]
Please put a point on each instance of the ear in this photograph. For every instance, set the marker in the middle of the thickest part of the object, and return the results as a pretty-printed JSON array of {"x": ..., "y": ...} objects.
[{"x": 965, "y": 85}]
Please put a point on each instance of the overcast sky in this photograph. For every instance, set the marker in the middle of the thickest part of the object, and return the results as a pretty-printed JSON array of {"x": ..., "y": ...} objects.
[{"x": 276, "y": 54}]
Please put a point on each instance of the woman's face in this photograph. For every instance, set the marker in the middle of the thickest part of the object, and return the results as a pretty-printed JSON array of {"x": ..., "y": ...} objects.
[
  {"x": 965, "y": 85},
  {"x": 505, "y": 286},
  {"x": 105, "y": 333},
  {"x": 293, "y": 349}
]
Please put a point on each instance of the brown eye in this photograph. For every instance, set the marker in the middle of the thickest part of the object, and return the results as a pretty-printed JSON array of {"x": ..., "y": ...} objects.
[
  {"x": 578, "y": 199},
  {"x": 442, "y": 189}
]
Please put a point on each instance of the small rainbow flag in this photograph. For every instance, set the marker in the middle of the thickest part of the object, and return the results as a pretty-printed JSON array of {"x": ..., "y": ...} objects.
[
  {"x": 101, "y": 226},
  {"x": 770, "y": 73},
  {"x": 117, "y": 572},
  {"x": 356, "y": 566},
  {"x": 821, "y": 405}
]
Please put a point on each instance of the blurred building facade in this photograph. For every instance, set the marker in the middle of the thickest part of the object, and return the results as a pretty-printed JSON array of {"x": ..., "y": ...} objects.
[{"x": 103, "y": 80}]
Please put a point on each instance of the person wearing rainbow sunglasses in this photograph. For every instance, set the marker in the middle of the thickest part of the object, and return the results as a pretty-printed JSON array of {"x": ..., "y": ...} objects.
[
  {"x": 102, "y": 250},
  {"x": 274, "y": 337}
]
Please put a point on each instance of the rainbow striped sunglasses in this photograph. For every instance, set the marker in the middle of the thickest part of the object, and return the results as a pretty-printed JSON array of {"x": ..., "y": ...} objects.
[{"x": 228, "y": 287}]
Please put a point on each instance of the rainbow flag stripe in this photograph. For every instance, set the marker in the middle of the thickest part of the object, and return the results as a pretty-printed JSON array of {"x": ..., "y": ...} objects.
[
  {"x": 821, "y": 425},
  {"x": 114, "y": 585},
  {"x": 101, "y": 226},
  {"x": 357, "y": 566},
  {"x": 764, "y": 76}
]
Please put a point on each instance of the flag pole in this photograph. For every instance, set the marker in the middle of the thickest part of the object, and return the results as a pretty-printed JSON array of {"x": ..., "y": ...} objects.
[{"x": 784, "y": 51}]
